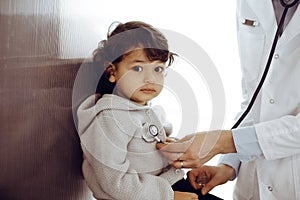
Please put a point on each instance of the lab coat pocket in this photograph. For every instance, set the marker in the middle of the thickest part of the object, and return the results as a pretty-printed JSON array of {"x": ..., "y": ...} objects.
[{"x": 251, "y": 47}]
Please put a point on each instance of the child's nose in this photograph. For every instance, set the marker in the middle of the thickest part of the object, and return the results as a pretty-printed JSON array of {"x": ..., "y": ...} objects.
[{"x": 149, "y": 77}]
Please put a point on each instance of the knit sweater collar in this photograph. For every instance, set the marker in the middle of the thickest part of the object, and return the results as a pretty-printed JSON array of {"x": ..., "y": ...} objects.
[{"x": 111, "y": 101}]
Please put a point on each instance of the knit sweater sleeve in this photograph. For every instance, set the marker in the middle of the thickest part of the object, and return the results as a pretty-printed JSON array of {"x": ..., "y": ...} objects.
[{"x": 105, "y": 149}]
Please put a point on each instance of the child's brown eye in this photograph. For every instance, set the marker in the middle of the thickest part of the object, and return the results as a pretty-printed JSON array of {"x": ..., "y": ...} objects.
[
  {"x": 159, "y": 69},
  {"x": 137, "y": 68}
]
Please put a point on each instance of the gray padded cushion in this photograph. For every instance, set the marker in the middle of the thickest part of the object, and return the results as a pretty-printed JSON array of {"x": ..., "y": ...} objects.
[{"x": 39, "y": 147}]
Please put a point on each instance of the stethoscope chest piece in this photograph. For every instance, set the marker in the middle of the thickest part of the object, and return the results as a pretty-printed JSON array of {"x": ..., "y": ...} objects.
[
  {"x": 151, "y": 134},
  {"x": 153, "y": 130}
]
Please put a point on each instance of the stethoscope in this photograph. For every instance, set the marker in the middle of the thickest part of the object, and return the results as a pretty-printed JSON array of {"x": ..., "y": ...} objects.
[
  {"x": 286, "y": 6},
  {"x": 151, "y": 133},
  {"x": 153, "y": 130},
  {"x": 202, "y": 180}
]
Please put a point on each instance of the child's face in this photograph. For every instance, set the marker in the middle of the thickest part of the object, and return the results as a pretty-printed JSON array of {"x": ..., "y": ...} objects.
[{"x": 138, "y": 79}]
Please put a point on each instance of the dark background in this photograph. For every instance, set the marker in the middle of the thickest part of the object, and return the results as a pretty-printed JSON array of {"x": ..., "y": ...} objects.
[{"x": 40, "y": 155}]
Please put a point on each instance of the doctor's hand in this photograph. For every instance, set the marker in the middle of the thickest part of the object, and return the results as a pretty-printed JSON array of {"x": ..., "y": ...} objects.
[
  {"x": 196, "y": 149},
  {"x": 216, "y": 175}
]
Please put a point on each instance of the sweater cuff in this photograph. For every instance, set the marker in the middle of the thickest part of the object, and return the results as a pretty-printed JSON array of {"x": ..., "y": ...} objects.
[{"x": 173, "y": 175}]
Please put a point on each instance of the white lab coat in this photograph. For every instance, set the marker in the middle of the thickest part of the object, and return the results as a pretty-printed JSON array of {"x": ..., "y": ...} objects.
[{"x": 276, "y": 113}]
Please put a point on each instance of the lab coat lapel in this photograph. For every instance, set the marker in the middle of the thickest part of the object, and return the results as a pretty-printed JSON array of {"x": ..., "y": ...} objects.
[
  {"x": 264, "y": 11},
  {"x": 292, "y": 29}
]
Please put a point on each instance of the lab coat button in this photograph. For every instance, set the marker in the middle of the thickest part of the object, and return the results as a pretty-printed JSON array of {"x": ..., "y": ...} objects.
[
  {"x": 270, "y": 188},
  {"x": 177, "y": 171},
  {"x": 148, "y": 112},
  {"x": 276, "y": 56},
  {"x": 271, "y": 101}
]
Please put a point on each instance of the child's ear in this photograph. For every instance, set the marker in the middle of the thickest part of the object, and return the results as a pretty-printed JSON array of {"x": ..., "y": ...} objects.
[{"x": 112, "y": 71}]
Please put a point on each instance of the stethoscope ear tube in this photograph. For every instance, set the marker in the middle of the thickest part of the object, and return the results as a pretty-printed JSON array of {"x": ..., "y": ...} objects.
[
  {"x": 263, "y": 78},
  {"x": 288, "y": 5}
]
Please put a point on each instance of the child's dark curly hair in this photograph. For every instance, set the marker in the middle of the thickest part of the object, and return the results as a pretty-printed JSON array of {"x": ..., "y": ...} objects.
[{"x": 123, "y": 39}]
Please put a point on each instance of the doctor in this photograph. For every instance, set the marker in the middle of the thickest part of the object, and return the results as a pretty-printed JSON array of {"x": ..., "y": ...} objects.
[{"x": 264, "y": 151}]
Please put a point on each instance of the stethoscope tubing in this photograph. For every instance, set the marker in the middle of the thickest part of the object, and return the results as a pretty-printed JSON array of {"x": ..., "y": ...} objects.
[
  {"x": 288, "y": 5},
  {"x": 263, "y": 78}
]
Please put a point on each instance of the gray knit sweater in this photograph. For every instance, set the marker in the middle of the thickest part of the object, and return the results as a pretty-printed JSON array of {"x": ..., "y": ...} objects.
[{"x": 120, "y": 156}]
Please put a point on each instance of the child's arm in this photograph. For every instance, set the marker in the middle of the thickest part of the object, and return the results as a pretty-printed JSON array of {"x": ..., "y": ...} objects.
[
  {"x": 127, "y": 185},
  {"x": 106, "y": 154}
]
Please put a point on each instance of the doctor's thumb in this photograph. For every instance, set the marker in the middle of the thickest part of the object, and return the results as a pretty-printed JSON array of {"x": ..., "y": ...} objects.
[{"x": 207, "y": 188}]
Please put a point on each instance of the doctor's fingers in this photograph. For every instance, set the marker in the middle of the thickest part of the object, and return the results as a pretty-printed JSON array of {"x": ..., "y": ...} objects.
[
  {"x": 212, "y": 183},
  {"x": 172, "y": 156},
  {"x": 175, "y": 147},
  {"x": 186, "y": 164},
  {"x": 201, "y": 176},
  {"x": 174, "y": 151}
]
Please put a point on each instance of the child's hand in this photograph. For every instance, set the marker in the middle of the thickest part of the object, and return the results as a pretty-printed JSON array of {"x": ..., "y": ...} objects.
[{"x": 185, "y": 196}]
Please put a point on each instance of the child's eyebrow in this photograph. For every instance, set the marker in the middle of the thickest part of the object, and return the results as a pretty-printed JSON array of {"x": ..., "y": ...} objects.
[
  {"x": 143, "y": 61},
  {"x": 139, "y": 61}
]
